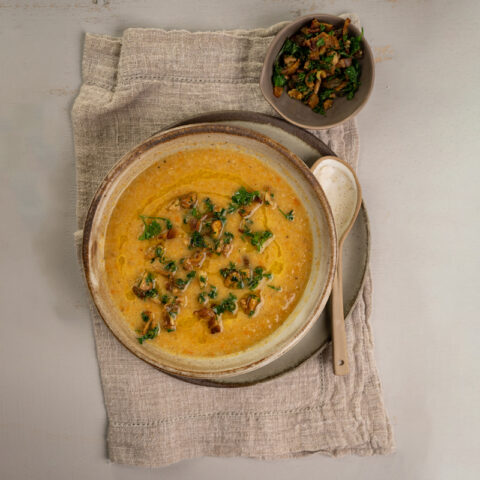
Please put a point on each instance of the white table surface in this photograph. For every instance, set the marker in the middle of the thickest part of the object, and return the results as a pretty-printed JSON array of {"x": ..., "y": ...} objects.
[{"x": 420, "y": 171}]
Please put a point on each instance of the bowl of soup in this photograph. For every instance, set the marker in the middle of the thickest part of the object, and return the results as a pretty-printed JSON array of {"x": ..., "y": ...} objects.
[{"x": 209, "y": 250}]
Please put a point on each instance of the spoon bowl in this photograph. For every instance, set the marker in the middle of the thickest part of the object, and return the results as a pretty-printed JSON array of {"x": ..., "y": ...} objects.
[{"x": 341, "y": 186}]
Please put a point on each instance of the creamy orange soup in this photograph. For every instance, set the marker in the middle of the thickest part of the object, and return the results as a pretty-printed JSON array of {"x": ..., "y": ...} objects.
[{"x": 207, "y": 252}]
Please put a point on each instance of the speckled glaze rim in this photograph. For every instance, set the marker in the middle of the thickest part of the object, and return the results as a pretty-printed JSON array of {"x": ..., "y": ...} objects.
[
  {"x": 323, "y": 150},
  {"x": 275, "y": 47},
  {"x": 175, "y": 133}
]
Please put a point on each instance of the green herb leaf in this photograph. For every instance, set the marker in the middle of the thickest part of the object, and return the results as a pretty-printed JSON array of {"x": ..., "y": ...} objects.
[
  {"x": 150, "y": 335},
  {"x": 241, "y": 198},
  {"x": 170, "y": 266},
  {"x": 227, "y": 238},
  {"x": 290, "y": 216},
  {"x": 153, "y": 228},
  {"x": 209, "y": 206},
  {"x": 320, "y": 42},
  {"x": 197, "y": 241},
  {"x": 273, "y": 287},
  {"x": 257, "y": 239},
  {"x": 229, "y": 304},
  {"x": 145, "y": 316},
  {"x": 213, "y": 291}
]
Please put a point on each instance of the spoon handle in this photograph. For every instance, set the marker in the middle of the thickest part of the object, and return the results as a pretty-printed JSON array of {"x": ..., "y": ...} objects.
[{"x": 340, "y": 354}]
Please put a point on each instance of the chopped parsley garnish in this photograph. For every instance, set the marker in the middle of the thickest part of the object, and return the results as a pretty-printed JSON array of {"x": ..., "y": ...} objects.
[
  {"x": 145, "y": 316},
  {"x": 213, "y": 291},
  {"x": 258, "y": 275},
  {"x": 170, "y": 266},
  {"x": 220, "y": 215},
  {"x": 273, "y": 287},
  {"x": 150, "y": 335},
  {"x": 160, "y": 253},
  {"x": 181, "y": 283},
  {"x": 290, "y": 216},
  {"x": 153, "y": 292},
  {"x": 152, "y": 228},
  {"x": 208, "y": 205},
  {"x": 241, "y": 198},
  {"x": 165, "y": 299},
  {"x": 227, "y": 238},
  {"x": 149, "y": 278},
  {"x": 202, "y": 297},
  {"x": 257, "y": 239},
  {"x": 197, "y": 241},
  {"x": 196, "y": 213},
  {"x": 229, "y": 304}
]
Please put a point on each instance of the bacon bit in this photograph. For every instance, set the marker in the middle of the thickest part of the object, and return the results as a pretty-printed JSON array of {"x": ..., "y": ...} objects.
[
  {"x": 172, "y": 233},
  {"x": 188, "y": 200},
  {"x": 277, "y": 91},
  {"x": 195, "y": 261}
]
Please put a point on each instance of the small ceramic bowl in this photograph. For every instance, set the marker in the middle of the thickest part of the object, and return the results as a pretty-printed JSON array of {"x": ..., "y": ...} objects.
[
  {"x": 295, "y": 111},
  {"x": 277, "y": 157}
]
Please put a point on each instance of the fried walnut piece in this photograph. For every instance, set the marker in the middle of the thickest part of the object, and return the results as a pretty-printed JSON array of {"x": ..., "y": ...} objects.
[
  {"x": 214, "y": 322},
  {"x": 188, "y": 200},
  {"x": 250, "y": 303},
  {"x": 144, "y": 285},
  {"x": 195, "y": 261},
  {"x": 314, "y": 57},
  {"x": 150, "y": 321},
  {"x": 171, "y": 311}
]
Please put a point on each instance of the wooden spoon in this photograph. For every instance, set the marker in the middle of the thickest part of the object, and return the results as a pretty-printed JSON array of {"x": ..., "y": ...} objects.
[{"x": 344, "y": 195}]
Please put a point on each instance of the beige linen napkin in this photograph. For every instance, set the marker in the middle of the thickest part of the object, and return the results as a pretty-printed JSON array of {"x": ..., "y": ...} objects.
[{"x": 132, "y": 87}]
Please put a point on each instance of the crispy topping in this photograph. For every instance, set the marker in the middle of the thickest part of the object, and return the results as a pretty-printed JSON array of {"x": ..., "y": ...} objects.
[
  {"x": 316, "y": 52},
  {"x": 188, "y": 200},
  {"x": 250, "y": 302},
  {"x": 195, "y": 261}
]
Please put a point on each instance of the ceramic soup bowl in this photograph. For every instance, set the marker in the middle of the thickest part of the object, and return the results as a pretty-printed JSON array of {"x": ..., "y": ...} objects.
[{"x": 278, "y": 158}]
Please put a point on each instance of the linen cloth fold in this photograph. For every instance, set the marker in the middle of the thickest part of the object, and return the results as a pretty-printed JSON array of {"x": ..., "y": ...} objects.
[{"x": 132, "y": 87}]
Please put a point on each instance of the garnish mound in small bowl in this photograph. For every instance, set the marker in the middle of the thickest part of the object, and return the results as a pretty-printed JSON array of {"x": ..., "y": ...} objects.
[{"x": 318, "y": 71}]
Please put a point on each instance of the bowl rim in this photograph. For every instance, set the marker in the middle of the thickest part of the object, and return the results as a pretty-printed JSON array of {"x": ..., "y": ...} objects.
[
  {"x": 275, "y": 47},
  {"x": 204, "y": 128}
]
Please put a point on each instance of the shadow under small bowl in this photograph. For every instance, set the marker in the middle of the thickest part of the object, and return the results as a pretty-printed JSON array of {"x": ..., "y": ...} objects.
[{"x": 295, "y": 111}]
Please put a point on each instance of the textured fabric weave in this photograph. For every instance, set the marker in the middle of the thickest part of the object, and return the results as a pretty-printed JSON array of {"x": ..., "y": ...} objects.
[{"x": 132, "y": 87}]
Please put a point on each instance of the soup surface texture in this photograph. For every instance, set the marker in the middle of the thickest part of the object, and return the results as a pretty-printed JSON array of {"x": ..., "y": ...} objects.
[{"x": 207, "y": 252}]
